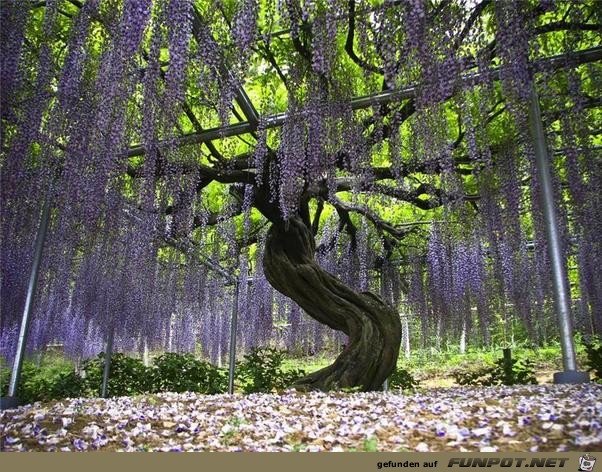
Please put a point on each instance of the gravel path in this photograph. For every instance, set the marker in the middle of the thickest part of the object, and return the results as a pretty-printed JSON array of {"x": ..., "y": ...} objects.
[{"x": 520, "y": 418}]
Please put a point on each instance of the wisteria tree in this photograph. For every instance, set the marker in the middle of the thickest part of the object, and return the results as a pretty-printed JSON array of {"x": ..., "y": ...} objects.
[{"x": 170, "y": 135}]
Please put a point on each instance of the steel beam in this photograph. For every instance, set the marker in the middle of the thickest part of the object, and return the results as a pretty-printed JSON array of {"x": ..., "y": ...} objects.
[
  {"x": 274, "y": 121},
  {"x": 559, "y": 278},
  {"x": 107, "y": 366},
  {"x": 233, "y": 280},
  {"x": 12, "y": 401},
  {"x": 383, "y": 295},
  {"x": 233, "y": 327}
]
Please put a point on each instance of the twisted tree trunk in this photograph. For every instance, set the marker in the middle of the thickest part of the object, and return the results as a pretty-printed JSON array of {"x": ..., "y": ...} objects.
[{"x": 373, "y": 328}]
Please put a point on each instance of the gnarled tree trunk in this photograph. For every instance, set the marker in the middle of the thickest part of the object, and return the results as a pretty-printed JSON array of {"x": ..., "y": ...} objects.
[{"x": 373, "y": 328}]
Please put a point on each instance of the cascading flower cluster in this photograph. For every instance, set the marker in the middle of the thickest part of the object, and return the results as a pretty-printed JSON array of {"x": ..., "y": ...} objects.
[
  {"x": 14, "y": 19},
  {"x": 179, "y": 17},
  {"x": 245, "y": 26}
]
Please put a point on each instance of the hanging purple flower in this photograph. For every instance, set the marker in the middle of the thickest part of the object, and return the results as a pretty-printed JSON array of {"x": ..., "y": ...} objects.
[
  {"x": 244, "y": 26},
  {"x": 13, "y": 17},
  {"x": 136, "y": 14},
  {"x": 179, "y": 18}
]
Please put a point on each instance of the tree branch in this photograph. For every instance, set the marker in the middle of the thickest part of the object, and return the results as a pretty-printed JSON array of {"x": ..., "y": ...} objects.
[
  {"x": 377, "y": 221},
  {"x": 347, "y": 224},
  {"x": 349, "y": 43},
  {"x": 476, "y": 12},
  {"x": 567, "y": 25},
  {"x": 316, "y": 221}
]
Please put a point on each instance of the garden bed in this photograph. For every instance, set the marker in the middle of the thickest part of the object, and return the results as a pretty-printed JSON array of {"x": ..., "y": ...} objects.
[{"x": 519, "y": 418}]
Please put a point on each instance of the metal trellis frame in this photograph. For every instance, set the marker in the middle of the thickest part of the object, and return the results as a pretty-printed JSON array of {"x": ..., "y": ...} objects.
[{"x": 570, "y": 375}]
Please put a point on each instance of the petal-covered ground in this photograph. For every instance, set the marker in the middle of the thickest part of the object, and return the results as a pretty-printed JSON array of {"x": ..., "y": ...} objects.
[{"x": 522, "y": 418}]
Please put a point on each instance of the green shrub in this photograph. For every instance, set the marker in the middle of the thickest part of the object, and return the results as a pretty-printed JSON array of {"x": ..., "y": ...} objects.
[
  {"x": 4, "y": 380},
  {"x": 261, "y": 371},
  {"x": 503, "y": 372},
  {"x": 402, "y": 379},
  {"x": 472, "y": 376},
  {"x": 515, "y": 372},
  {"x": 128, "y": 376},
  {"x": 594, "y": 358},
  {"x": 183, "y": 373},
  {"x": 48, "y": 382}
]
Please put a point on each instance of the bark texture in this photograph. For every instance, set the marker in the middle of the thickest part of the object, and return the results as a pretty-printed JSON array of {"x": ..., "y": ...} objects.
[{"x": 373, "y": 327}]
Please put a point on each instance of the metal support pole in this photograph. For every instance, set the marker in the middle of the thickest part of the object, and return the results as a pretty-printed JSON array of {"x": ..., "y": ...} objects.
[
  {"x": 507, "y": 366},
  {"x": 559, "y": 280},
  {"x": 406, "y": 342},
  {"x": 383, "y": 295},
  {"x": 145, "y": 353},
  {"x": 107, "y": 368},
  {"x": 11, "y": 401},
  {"x": 233, "y": 327},
  {"x": 231, "y": 278}
]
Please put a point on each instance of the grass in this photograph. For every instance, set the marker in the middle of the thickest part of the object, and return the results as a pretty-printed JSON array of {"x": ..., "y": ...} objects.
[
  {"x": 433, "y": 365},
  {"x": 308, "y": 364},
  {"x": 435, "y": 368}
]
